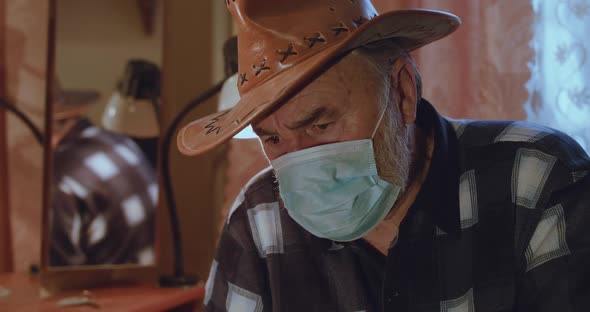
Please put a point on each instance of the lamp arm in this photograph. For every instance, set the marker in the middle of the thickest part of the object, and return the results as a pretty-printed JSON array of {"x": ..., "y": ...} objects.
[
  {"x": 28, "y": 122},
  {"x": 179, "y": 278}
]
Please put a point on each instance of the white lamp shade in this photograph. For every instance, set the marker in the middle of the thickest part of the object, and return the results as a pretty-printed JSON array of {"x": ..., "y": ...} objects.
[
  {"x": 228, "y": 98},
  {"x": 132, "y": 117}
]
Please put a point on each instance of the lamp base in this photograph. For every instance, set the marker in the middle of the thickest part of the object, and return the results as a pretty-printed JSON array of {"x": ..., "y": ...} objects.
[{"x": 178, "y": 281}]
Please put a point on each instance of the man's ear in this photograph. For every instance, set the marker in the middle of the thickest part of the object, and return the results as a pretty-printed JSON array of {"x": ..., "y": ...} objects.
[{"x": 403, "y": 82}]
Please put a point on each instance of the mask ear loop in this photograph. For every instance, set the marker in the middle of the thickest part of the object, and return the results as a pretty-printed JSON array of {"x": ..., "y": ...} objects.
[{"x": 379, "y": 122}]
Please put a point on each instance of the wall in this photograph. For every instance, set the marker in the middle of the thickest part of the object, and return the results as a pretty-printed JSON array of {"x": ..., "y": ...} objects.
[
  {"x": 96, "y": 38},
  {"x": 188, "y": 71},
  {"x": 25, "y": 55},
  {"x": 480, "y": 71}
]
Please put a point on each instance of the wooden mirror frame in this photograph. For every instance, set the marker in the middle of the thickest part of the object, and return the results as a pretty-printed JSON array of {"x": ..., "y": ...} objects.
[{"x": 57, "y": 279}]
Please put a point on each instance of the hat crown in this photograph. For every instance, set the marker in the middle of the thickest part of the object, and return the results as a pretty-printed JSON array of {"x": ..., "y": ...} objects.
[{"x": 274, "y": 35}]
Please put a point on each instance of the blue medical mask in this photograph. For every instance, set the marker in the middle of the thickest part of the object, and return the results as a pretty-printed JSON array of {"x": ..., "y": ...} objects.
[{"x": 333, "y": 190}]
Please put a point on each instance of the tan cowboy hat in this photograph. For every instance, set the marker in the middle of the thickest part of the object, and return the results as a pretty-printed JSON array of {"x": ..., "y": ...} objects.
[{"x": 284, "y": 44}]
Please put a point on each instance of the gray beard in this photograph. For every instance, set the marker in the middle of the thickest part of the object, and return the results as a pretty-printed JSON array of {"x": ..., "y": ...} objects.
[{"x": 392, "y": 150}]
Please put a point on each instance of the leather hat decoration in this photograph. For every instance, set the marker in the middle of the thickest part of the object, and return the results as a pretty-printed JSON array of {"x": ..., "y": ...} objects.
[{"x": 284, "y": 44}]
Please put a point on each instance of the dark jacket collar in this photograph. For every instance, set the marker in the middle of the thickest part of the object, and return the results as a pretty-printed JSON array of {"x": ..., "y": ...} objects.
[{"x": 439, "y": 194}]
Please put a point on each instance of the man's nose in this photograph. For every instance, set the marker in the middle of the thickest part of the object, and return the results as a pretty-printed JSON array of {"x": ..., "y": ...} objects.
[{"x": 300, "y": 142}]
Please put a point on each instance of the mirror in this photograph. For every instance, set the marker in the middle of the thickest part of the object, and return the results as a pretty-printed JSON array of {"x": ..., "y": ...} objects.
[{"x": 103, "y": 182}]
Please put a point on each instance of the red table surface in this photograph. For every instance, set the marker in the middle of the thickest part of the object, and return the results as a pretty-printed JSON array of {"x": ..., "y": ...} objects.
[{"x": 25, "y": 296}]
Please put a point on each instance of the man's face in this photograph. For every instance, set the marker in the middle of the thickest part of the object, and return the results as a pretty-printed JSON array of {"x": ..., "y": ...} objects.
[
  {"x": 343, "y": 104},
  {"x": 336, "y": 107}
]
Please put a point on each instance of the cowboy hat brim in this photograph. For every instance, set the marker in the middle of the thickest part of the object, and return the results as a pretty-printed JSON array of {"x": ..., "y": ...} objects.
[{"x": 411, "y": 29}]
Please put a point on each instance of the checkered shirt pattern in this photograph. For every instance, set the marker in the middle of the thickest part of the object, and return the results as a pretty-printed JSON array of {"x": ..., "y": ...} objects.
[
  {"x": 104, "y": 195},
  {"x": 501, "y": 223}
]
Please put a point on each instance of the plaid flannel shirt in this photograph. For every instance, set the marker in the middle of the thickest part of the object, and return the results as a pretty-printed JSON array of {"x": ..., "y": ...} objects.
[
  {"x": 501, "y": 223},
  {"x": 104, "y": 195}
]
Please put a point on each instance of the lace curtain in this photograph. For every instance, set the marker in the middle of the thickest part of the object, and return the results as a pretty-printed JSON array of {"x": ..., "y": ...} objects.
[{"x": 559, "y": 88}]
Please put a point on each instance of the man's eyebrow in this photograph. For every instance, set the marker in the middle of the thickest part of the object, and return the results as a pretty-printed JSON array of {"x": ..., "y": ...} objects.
[
  {"x": 262, "y": 132},
  {"x": 310, "y": 118}
]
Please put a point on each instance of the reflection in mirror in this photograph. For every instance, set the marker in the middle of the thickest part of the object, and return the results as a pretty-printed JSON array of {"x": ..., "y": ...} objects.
[{"x": 105, "y": 133}]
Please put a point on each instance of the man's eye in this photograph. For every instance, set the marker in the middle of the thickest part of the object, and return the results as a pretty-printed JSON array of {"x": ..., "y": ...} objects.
[
  {"x": 322, "y": 127},
  {"x": 272, "y": 140}
]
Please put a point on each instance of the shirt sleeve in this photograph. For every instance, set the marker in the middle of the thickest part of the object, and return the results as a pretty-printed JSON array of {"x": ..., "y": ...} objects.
[
  {"x": 238, "y": 274},
  {"x": 557, "y": 274}
]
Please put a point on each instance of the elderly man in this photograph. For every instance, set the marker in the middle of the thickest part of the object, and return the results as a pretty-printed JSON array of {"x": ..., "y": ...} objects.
[{"x": 374, "y": 202}]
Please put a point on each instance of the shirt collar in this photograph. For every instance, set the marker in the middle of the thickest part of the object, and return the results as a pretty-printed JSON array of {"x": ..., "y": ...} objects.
[{"x": 439, "y": 194}]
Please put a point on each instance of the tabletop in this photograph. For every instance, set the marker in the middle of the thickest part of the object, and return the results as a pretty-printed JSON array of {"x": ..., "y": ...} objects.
[{"x": 21, "y": 292}]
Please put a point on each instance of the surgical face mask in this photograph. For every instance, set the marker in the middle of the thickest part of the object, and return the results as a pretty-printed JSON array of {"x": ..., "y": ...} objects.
[{"x": 333, "y": 190}]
